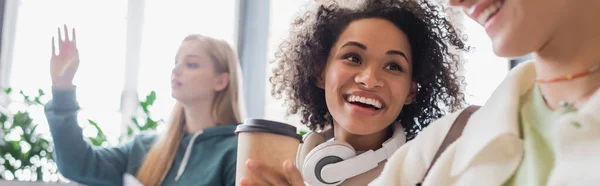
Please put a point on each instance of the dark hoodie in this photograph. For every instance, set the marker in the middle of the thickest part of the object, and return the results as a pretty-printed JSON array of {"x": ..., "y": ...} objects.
[{"x": 209, "y": 160}]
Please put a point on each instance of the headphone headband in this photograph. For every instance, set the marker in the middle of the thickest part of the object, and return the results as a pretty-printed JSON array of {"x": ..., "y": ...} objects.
[{"x": 332, "y": 162}]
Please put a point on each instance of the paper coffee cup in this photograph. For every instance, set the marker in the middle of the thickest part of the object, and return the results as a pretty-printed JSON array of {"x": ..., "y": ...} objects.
[{"x": 269, "y": 142}]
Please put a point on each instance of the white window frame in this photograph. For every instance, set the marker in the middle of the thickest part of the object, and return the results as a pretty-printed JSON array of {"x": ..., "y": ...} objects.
[
  {"x": 252, "y": 44},
  {"x": 8, "y": 42},
  {"x": 245, "y": 12},
  {"x": 129, "y": 96}
]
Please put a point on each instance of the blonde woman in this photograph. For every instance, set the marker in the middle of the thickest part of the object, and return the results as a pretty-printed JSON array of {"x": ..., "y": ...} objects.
[{"x": 199, "y": 147}]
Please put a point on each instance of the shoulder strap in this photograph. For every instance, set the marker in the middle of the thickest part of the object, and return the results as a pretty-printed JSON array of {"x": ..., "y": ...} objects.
[{"x": 453, "y": 133}]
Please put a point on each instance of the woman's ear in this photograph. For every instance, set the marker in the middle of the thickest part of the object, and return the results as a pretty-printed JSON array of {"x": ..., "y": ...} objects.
[
  {"x": 222, "y": 81},
  {"x": 320, "y": 82},
  {"x": 412, "y": 95}
]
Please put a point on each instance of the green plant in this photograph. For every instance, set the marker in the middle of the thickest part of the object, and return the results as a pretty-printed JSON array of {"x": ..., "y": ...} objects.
[
  {"x": 302, "y": 132},
  {"x": 100, "y": 138},
  {"x": 23, "y": 150},
  {"x": 144, "y": 121}
]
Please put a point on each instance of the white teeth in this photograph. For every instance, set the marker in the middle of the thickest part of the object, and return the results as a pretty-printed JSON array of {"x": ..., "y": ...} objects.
[
  {"x": 485, "y": 15},
  {"x": 369, "y": 101}
]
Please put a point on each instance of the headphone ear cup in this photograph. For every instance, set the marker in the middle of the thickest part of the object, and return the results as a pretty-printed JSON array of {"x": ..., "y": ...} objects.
[
  {"x": 324, "y": 154},
  {"x": 310, "y": 141}
]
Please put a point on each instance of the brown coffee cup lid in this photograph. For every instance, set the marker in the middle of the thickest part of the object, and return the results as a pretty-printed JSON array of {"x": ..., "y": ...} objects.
[{"x": 268, "y": 126}]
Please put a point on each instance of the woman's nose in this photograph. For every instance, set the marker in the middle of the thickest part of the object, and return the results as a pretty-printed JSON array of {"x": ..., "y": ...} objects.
[
  {"x": 176, "y": 71},
  {"x": 368, "y": 79}
]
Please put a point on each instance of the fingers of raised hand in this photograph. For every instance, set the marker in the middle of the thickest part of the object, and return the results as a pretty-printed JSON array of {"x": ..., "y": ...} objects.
[
  {"x": 66, "y": 46},
  {"x": 59, "y": 36},
  {"x": 74, "y": 37},
  {"x": 65, "y": 32},
  {"x": 53, "y": 48}
]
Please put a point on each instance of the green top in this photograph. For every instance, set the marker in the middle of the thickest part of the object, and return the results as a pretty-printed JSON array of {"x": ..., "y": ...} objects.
[
  {"x": 538, "y": 125},
  {"x": 211, "y": 160}
]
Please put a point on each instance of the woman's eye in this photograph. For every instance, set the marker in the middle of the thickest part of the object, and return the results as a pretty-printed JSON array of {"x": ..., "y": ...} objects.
[
  {"x": 192, "y": 65},
  {"x": 352, "y": 58},
  {"x": 394, "y": 67}
]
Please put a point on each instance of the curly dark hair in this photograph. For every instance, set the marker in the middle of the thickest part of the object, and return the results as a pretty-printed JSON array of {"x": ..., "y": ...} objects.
[{"x": 301, "y": 58}]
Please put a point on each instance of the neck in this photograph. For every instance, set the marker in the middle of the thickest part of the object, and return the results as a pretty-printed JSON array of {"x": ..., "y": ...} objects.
[
  {"x": 362, "y": 142},
  {"x": 572, "y": 48},
  {"x": 198, "y": 116}
]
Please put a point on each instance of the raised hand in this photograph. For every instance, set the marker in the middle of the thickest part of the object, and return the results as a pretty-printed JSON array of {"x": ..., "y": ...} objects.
[{"x": 65, "y": 61}]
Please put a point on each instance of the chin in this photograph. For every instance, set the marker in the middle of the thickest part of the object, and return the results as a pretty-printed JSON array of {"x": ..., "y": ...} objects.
[
  {"x": 176, "y": 96},
  {"x": 510, "y": 45},
  {"x": 361, "y": 128},
  {"x": 512, "y": 50}
]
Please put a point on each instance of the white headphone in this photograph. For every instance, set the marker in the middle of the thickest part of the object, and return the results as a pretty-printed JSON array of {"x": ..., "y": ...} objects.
[{"x": 331, "y": 162}]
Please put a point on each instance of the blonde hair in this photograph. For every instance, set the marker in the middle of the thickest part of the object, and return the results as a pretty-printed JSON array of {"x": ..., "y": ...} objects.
[{"x": 227, "y": 109}]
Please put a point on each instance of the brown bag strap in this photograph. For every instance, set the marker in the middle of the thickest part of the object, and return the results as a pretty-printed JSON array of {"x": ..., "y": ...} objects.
[{"x": 453, "y": 133}]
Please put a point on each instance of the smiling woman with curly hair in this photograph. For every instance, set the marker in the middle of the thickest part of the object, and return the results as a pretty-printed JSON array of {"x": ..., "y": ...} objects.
[
  {"x": 359, "y": 70},
  {"x": 303, "y": 57}
]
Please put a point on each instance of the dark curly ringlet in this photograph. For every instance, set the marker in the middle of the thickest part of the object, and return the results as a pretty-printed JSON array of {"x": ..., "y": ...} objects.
[{"x": 301, "y": 58}]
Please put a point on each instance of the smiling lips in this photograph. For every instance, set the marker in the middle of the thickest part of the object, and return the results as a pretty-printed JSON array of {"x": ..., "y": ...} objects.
[
  {"x": 365, "y": 100},
  {"x": 483, "y": 12}
]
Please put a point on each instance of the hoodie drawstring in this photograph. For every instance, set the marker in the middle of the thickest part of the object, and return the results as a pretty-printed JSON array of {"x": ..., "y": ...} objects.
[{"x": 186, "y": 157}]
